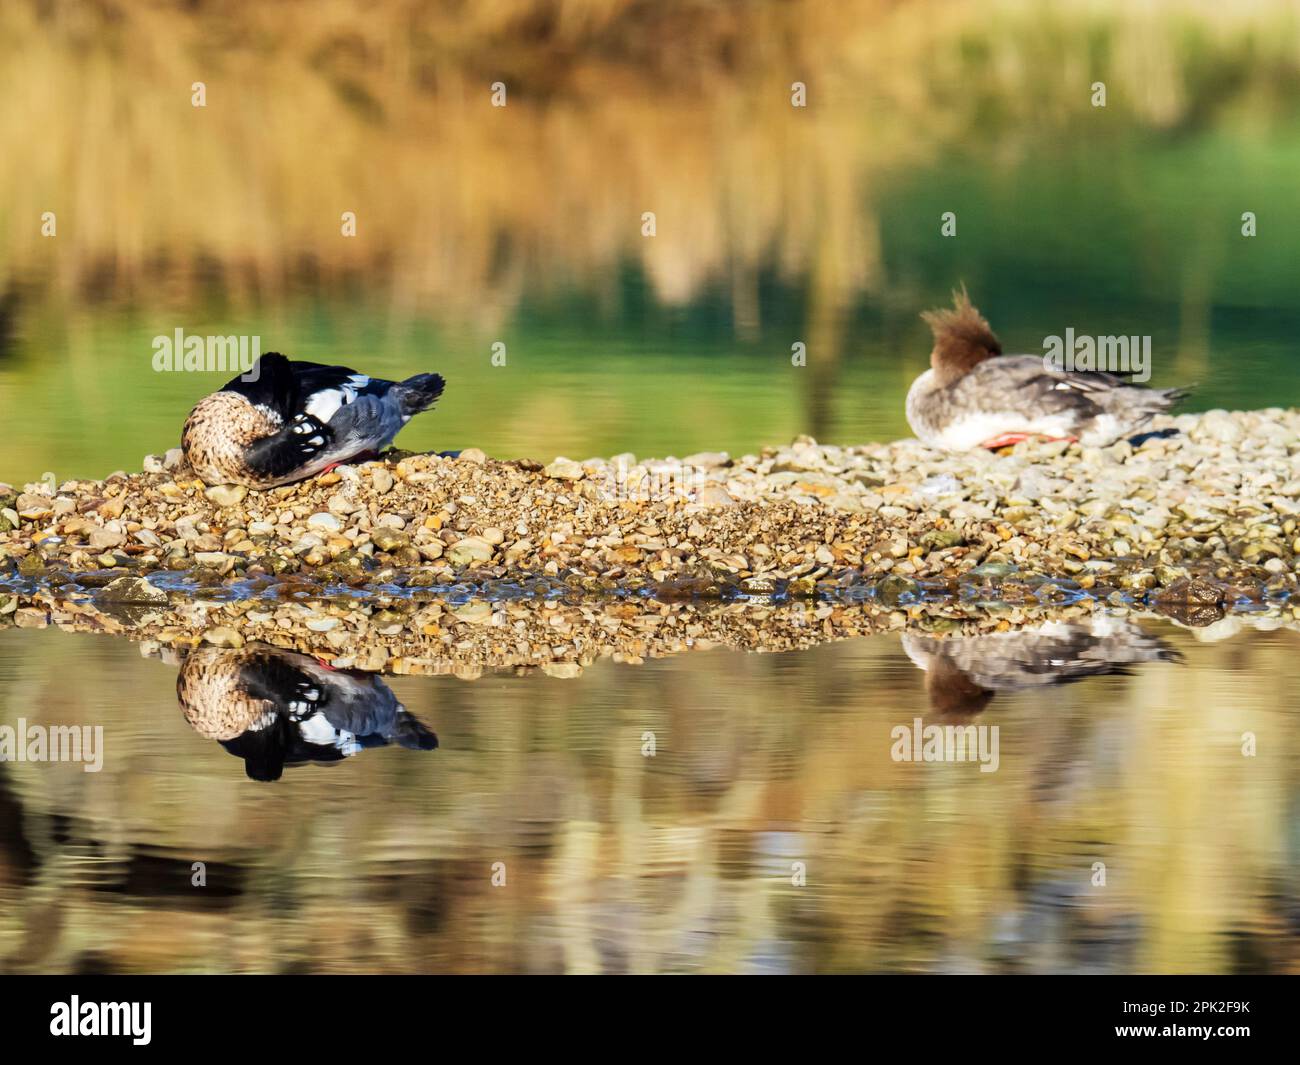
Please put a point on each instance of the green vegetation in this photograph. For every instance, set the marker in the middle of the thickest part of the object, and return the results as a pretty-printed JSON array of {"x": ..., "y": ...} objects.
[{"x": 522, "y": 224}]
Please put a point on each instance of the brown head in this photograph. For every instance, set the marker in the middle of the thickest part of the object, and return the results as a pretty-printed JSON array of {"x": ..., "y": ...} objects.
[
  {"x": 953, "y": 694},
  {"x": 217, "y": 435},
  {"x": 212, "y": 696},
  {"x": 962, "y": 339}
]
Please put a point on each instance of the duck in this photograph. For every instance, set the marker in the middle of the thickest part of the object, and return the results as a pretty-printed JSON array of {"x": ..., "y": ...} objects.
[
  {"x": 973, "y": 396},
  {"x": 275, "y": 708},
  {"x": 284, "y": 421},
  {"x": 963, "y": 673}
]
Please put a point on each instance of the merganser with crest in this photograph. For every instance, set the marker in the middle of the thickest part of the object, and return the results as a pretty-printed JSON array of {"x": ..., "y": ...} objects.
[
  {"x": 963, "y": 673},
  {"x": 284, "y": 421},
  {"x": 974, "y": 396}
]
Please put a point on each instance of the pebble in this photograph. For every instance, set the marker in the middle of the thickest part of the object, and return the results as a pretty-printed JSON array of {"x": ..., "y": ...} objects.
[
  {"x": 342, "y": 504},
  {"x": 565, "y": 470},
  {"x": 475, "y": 613},
  {"x": 226, "y": 495},
  {"x": 714, "y": 495},
  {"x": 386, "y": 538},
  {"x": 707, "y": 460},
  {"x": 131, "y": 590},
  {"x": 223, "y": 636},
  {"x": 470, "y": 550}
]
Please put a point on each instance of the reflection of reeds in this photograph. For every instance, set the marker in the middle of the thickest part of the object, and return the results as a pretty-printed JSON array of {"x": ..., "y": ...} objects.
[
  {"x": 681, "y": 861},
  {"x": 616, "y": 108}
]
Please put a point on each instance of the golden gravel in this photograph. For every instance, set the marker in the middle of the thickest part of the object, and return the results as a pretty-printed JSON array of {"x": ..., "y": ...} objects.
[{"x": 1219, "y": 500}]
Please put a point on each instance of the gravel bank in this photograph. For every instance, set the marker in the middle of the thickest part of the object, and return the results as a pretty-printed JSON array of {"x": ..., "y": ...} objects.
[
  {"x": 1220, "y": 501},
  {"x": 426, "y": 634}
]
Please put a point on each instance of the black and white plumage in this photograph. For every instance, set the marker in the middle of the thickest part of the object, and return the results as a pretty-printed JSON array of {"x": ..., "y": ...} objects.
[
  {"x": 274, "y": 708},
  {"x": 963, "y": 673},
  {"x": 284, "y": 421},
  {"x": 974, "y": 396}
]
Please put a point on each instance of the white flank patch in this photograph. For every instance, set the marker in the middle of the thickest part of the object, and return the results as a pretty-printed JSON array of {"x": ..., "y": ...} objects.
[
  {"x": 316, "y": 729},
  {"x": 324, "y": 405},
  {"x": 319, "y": 731}
]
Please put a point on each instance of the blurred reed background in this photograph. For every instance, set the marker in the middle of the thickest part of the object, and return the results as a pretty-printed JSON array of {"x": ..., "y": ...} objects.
[{"x": 522, "y": 224}]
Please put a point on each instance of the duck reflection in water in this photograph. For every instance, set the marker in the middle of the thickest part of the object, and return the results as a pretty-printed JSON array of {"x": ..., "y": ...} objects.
[
  {"x": 963, "y": 673},
  {"x": 274, "y": 708}
]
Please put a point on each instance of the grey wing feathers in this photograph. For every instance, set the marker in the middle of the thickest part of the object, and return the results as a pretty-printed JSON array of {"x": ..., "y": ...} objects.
[
  {"x": 1085, "y": 392},
  {"x": 1026, "y": 378},
  {"x": 1054, "y": 654},
  {"x": 367, "y": 423}
]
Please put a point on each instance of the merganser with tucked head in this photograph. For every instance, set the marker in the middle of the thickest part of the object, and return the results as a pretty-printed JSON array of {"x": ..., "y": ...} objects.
[
  {"x": 283, "y": 421},
  {"x": 974, "y": 396},
  {"x": 963, "y": 673}
]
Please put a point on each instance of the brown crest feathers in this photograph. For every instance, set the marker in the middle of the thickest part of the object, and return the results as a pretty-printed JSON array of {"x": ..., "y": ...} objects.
[{"x": 962, "y": 338}]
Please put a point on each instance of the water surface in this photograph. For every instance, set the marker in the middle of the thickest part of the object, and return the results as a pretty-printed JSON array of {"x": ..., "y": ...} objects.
[{"x": 770, "y": 830}]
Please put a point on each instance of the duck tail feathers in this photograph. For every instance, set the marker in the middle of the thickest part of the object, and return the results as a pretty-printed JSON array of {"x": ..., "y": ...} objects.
[
  {"x": 419, "y": 392},
  {"x": 1154, "y": 400},
  {"x": 413, "y": 735}
]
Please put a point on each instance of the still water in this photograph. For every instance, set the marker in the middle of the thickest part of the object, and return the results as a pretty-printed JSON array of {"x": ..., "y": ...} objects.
[{"x": 712, "y": 811}]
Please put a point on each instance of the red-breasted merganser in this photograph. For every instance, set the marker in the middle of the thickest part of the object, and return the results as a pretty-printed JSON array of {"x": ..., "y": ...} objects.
[
  {"x": 963, "y": 673},
  {"x": 283, "y": 421},
  {"x": 974, "y": 396}
]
